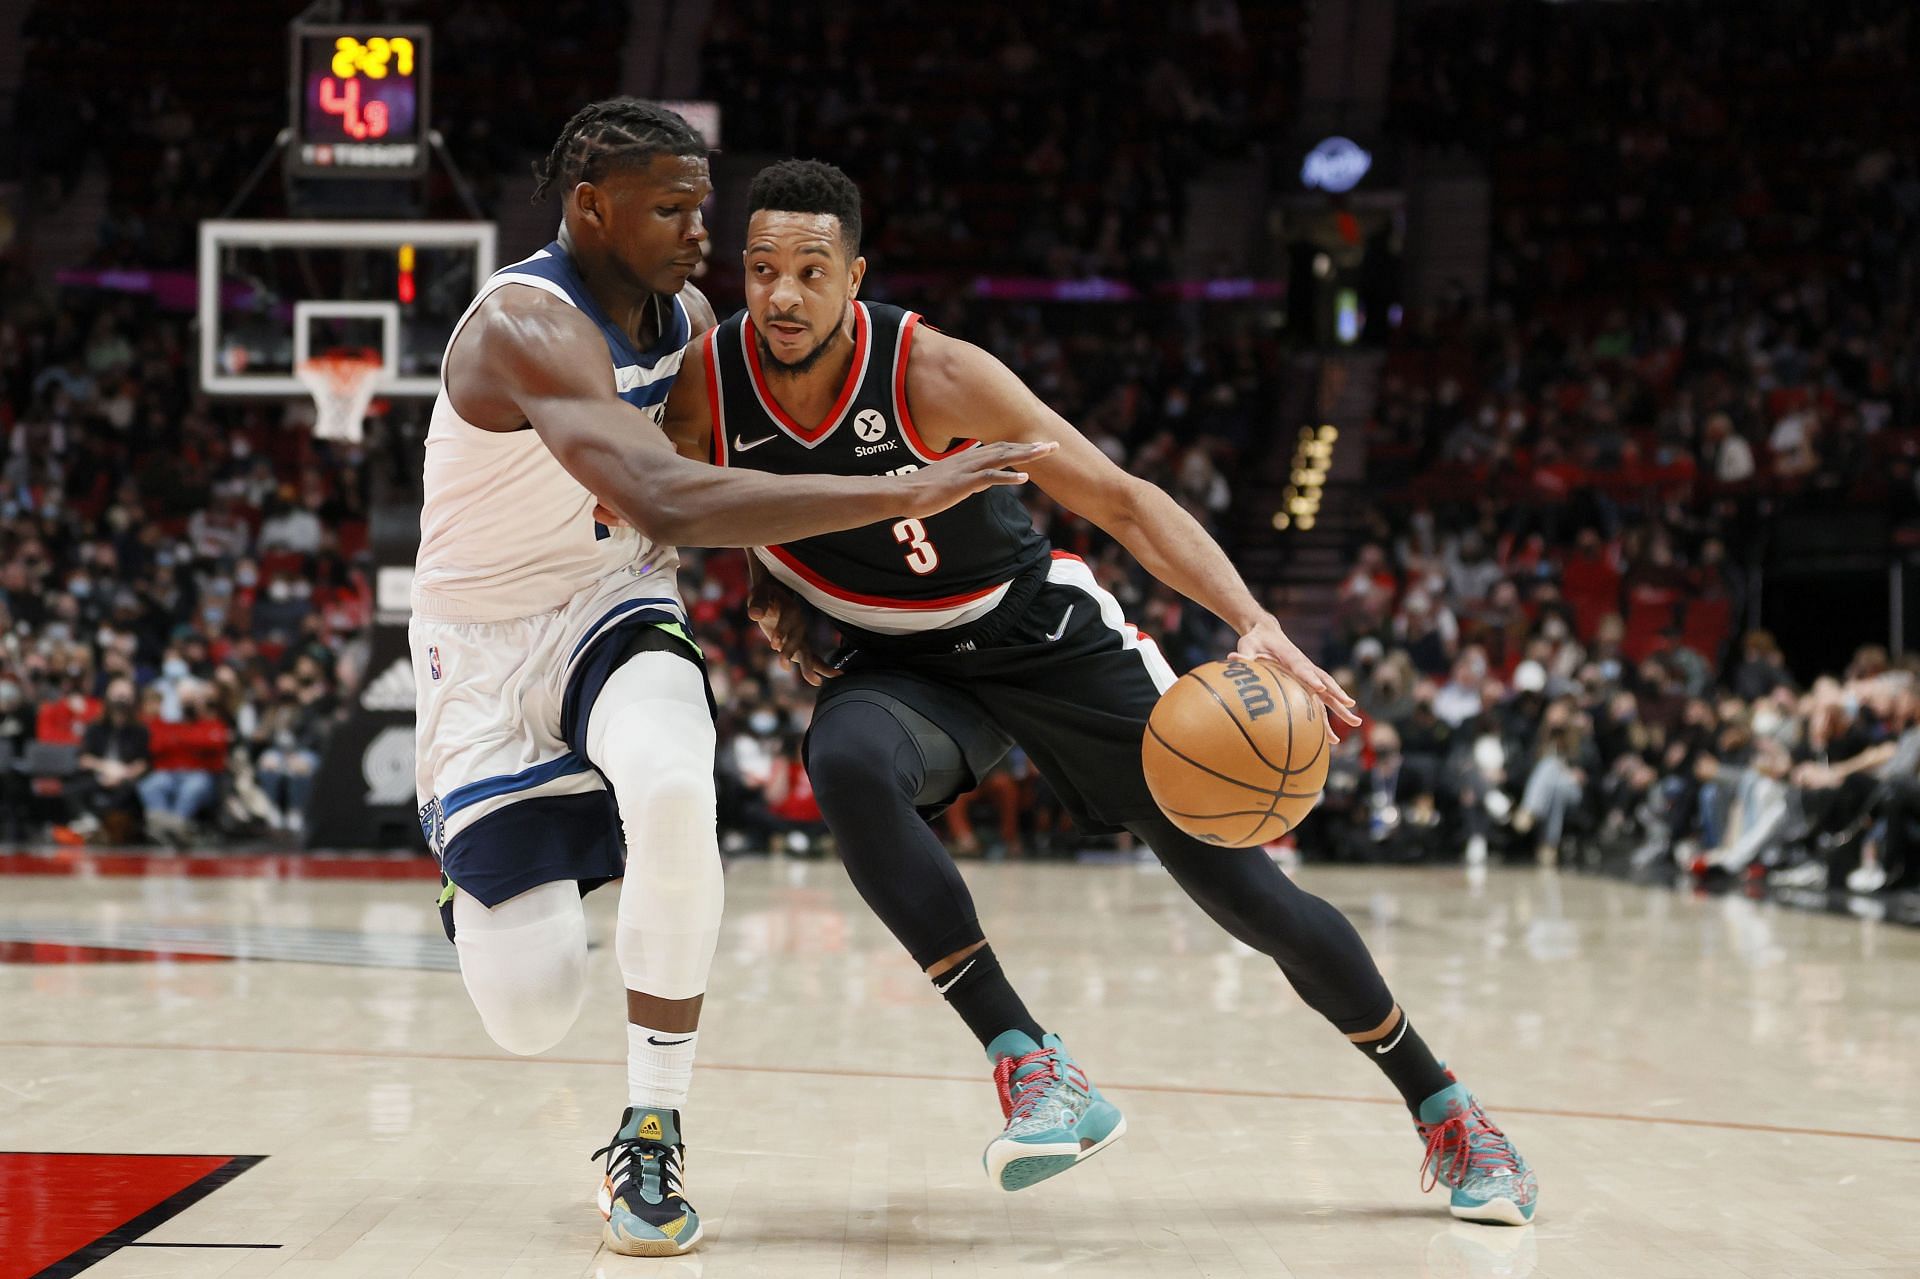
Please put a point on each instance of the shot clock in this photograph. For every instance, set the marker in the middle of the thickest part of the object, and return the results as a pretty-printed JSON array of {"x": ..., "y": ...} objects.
[{"x": 359, "y": 101}]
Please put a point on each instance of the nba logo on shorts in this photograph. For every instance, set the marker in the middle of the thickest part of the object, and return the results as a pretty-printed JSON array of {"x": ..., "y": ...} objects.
[
  {"x": 870, "y": 425},
  {"x": 433, "y": 661}
]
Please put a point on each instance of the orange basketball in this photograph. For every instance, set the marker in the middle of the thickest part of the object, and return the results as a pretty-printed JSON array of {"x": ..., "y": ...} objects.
[{"x": 1236, "y": 753}]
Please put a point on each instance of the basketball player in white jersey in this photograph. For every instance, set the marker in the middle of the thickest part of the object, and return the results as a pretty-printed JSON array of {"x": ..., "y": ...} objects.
[{"x": 562, "y": 702}]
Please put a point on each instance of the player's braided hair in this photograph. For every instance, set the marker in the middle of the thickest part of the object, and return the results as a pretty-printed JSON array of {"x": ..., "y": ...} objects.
[
  {"x": 809, "y": 186},
  {"x": 614, "y": 131}
]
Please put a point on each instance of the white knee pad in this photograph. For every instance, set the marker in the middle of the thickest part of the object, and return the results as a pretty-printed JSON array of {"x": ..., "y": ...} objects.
[
  {"x": 525, "y": 963},
  {"x": 652, "y": 735}
]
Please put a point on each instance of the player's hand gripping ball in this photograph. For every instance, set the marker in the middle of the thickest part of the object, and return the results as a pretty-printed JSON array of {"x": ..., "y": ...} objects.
[{"x": 1236, "y": 752}]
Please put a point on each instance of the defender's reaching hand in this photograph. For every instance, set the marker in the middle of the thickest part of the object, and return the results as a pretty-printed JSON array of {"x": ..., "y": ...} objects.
[{"x": 934, "y": 488}]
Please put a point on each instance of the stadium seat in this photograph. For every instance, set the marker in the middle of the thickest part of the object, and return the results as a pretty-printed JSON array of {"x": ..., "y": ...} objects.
[
  {"x": 352, "y": 536},
  {"x": 1592, "y": 587},
  {"x": 285, "y": 563},
  {"x": 1649, "y": 616},
  {"x": 48, "y": 766},
  {"x": 1708, "y": 622}
]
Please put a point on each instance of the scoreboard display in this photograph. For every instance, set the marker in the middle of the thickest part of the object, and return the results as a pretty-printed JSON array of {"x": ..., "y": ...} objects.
[{"x": 359, "y": 101}]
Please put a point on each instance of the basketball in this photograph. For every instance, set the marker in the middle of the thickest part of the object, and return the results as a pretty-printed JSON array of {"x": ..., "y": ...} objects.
[{"x": 1236, "y": 752}]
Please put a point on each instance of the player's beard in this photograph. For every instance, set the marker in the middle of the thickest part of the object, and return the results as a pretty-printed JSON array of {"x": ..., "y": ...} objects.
[{"x": 805, "y": 363}]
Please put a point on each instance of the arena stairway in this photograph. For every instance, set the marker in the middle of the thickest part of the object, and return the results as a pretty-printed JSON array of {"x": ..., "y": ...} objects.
[{"x": 1298, "y": 571}]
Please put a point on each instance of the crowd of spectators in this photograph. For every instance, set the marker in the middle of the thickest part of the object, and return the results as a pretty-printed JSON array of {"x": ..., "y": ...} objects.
[
  {"x": 1703, "y": 286},
  {"x": 1578, "y": 480},
  {"x": 1640, "y": 151},
  {"x": 1031, "y": 139},
  {"x": 1500, "y": 724},
  {"x": 185, "y": 586},
  {"x": 1549, "y": 624},
  {"x": 185, "y": 583},
  {"x": 183, "y": 593}
]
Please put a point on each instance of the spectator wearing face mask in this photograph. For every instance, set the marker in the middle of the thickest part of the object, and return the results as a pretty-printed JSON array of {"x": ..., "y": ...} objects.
[
  {"x": 63, "y": 719},
  {"x": 1756, "y": 812},
  {"x": 1459, "y": 699},
  {"x": 290, "y": 526},
  {"x": 748, "y": 767},
  {"x": 189, "y": 757},
  {"x": 175, "y": 674},
  {"x": 289, "y": 736},
  {"x": 114, "y": 756},
  {"x": 1558, "y": 781}
]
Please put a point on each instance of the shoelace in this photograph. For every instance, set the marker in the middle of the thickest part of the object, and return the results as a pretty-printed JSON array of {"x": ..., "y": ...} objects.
[
  {"x": 623, "y": 1153},
  {"x": 1453, "y": 1151},
  {"x": 1031, "y": 1089}
]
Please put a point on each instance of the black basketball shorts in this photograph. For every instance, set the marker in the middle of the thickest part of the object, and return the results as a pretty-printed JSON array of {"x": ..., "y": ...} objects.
[{"x": 1069, "y": 680}]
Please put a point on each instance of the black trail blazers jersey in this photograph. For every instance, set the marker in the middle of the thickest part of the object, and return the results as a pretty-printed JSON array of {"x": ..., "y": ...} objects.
[{"x": 895, "y": 577}]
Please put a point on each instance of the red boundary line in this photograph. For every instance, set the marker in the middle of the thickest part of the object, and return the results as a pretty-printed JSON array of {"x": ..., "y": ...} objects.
[{"x": 1183, "y": 1090}]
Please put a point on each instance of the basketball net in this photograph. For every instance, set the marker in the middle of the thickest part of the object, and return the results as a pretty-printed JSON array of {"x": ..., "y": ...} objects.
[{"x": 343, "y": 384}]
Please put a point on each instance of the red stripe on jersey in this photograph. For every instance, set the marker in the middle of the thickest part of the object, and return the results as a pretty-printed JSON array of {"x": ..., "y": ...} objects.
[
  {"x": 820, "y": 583},
  {"x": 715, "y": 410},
  {"x": 855, "y": 372},
  {"x": 1068, "y": 555},
  {"x": 900, "y": 410}
]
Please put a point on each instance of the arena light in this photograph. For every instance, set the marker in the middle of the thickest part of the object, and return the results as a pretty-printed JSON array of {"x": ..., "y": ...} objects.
[
  {"x": 1312, "y": 463},
  {"x": 1335, "y": 165}
]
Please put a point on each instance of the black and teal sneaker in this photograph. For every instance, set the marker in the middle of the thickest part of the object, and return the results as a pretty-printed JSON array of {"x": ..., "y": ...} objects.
[
  {"x": 1055, "y": 1116},
  {"x": 641, "y": 1197}
]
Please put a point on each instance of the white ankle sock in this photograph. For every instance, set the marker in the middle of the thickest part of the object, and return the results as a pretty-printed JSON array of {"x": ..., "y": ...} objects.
[{"x": 659, "y": 1066}]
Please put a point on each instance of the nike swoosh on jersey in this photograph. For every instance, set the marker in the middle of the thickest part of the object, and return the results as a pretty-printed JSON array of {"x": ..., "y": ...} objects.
[
  {"x": 1061, "y": 629},
  {"x": 741, "y": 446}
]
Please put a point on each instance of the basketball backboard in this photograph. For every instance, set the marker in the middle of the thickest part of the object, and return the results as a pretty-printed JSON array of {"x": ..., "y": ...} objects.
[{"x": 272, "y": 292}]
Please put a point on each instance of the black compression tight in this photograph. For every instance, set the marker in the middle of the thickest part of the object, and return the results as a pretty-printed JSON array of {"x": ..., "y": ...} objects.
[
  {"x": 1316, "y": 947},
  {"x": 866, "y": 772}
]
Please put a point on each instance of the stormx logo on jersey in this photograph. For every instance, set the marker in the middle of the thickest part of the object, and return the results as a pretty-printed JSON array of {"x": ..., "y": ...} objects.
[{"x": 870, "y": 425}]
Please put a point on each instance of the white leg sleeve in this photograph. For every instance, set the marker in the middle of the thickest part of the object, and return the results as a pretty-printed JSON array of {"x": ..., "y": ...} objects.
[
  {"x": 525, "y": 963},
  {"x": 652, "y": 735}
]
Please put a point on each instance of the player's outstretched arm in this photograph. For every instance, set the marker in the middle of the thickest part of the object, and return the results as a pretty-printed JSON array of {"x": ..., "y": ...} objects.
[
  {"x": 957, "y": 390},
  {"x": 548, "y": 361}
]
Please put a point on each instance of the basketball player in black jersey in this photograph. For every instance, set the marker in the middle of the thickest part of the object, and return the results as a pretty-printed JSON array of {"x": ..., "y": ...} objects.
[{"x": 964, "y": 633}]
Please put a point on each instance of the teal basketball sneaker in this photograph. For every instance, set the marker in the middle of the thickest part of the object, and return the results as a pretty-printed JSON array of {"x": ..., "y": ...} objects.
[
  {"x": 1055, "y": 1116},
  {"x": 647, "y": 1213},
  {"x": 1490, "y": 1181}
]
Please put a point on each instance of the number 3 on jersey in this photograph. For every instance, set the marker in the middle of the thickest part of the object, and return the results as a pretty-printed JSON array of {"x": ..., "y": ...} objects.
[{"x": 921, "y": 557}]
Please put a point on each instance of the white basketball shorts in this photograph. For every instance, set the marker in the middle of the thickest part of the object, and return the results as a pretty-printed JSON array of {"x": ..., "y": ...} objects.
[{"x": 508, "y": 798}]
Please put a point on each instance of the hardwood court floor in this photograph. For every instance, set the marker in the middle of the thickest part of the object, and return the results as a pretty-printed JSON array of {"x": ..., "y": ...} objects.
[{"x": 1707, "y": 1086}]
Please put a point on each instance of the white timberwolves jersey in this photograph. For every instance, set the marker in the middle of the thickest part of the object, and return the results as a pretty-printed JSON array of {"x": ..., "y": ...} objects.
[{"x": 505, "y": 531}]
